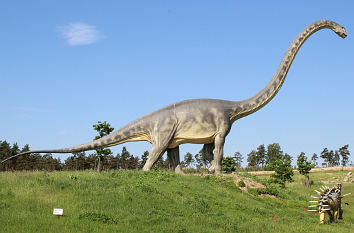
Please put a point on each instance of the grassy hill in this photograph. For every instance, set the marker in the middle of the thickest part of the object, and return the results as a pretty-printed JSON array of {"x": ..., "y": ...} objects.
[{"x": 157, "y": 201}]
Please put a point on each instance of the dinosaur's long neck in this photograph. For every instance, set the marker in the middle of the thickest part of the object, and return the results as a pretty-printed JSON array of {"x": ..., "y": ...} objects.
[{"x": 248, "y": 106}]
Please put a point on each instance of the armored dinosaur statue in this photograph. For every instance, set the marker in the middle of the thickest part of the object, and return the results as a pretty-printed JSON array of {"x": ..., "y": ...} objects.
[
  {"x": 199, "y": 121},
  {"x": 330, "y": 202}
]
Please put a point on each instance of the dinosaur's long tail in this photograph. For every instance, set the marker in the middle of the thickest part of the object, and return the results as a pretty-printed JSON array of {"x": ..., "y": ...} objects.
[{"x": 125, "y": 134}]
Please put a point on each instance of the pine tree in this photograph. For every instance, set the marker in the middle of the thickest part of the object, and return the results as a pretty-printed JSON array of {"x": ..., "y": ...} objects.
[
  {"x": 336, "y": 159},
  {"x": 188, "y": 160},
  {"x": 5, "y": 152},
  {"x": 325, "y": 155},
  {"x": 288, "y": 157},
  {"x": 143, "y": 160},
  {"x": 274, "y": 152},
  {"x": 204, "y": 159},
  {"x": 252, "y": 159},
  {"x": 124, "y": 157},
  {"x": 261, "y": 155},
  {"x": 314, "y": 159},
  {"x": 344, "y": 153},
  {"x": 238, "y": 159}
]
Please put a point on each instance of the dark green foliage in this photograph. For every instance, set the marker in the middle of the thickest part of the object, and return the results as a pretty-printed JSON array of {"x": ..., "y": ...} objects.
[
  {"x": 270, "y": 189},
  {"x": 283, "y": 170},
  {"x": 228, "y": 164},
  {"x": 92, "y": 216}
]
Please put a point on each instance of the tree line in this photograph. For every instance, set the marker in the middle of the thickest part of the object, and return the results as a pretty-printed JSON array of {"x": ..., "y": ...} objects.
[
  {"x": 77, "y": 161},
  {"x": 103, "y": 159},
  {"x": 264, "y": 156},
  {"x": 260, "y": 158}
]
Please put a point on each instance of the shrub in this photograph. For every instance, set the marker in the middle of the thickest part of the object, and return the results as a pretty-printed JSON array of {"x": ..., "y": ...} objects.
[
  {"x": 228, "y": 164},
  {"x": 241, "y": 184}
]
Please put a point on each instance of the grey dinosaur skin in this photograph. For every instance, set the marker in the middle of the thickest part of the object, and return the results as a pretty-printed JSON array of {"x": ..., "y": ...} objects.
[{"x": 199, "y": 121}]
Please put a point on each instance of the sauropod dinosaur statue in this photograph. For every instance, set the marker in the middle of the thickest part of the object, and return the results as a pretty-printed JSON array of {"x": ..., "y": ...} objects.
[
  {"x": 330, "y": 202},
  {"x": 198, "y": 121}
]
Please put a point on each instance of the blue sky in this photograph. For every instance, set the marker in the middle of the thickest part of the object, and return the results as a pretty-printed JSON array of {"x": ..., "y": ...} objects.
[{"x": 67, "y": 64}]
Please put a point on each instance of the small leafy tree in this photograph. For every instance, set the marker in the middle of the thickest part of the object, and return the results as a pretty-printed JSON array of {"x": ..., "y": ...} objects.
[
  {"x": 228, "y": 164},
  {"x": 304, "y": 167},
  {"x": 283, "y": 170},
  {"x": 103, "y": 129}
]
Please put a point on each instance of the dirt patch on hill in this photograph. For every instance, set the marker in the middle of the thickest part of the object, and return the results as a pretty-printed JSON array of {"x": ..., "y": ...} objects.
[{"x": 249, "y": 183}]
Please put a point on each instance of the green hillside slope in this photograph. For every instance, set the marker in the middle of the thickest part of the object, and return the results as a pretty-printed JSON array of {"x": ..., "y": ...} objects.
[{"x": 156, "y": 201}]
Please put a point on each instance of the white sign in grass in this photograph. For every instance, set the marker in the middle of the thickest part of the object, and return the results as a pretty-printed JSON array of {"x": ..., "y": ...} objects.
[{"x": 58, "y": 211}]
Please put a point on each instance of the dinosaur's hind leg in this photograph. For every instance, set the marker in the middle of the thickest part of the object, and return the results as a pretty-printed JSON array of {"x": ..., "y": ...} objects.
[
  {"x": 173, "y": 156},
  {"x": 208, "y": 150},
  {"x": 218, "y": 154}
]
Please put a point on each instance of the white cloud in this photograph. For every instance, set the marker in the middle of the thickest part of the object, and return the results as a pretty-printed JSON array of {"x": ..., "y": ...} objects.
[{"x": 80, "y": 33}]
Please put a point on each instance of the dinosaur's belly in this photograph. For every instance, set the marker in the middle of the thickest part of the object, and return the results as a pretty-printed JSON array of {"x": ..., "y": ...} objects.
[{"x": 194, "y": 140}]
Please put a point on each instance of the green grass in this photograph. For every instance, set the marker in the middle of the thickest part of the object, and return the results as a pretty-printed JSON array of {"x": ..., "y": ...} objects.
[{"x": 156, "y": 201}]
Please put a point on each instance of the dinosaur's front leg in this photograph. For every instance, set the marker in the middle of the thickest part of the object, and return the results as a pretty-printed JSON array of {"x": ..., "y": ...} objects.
[
  {"x": 155, "y": 153},
  {"x": 161, "y": 135},
  {"x": 322, "y": 216},
  {"x": 173, "y": 155}
]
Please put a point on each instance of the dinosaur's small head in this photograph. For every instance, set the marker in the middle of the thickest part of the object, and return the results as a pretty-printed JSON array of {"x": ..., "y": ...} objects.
[{"x": 340, "y": 30}]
